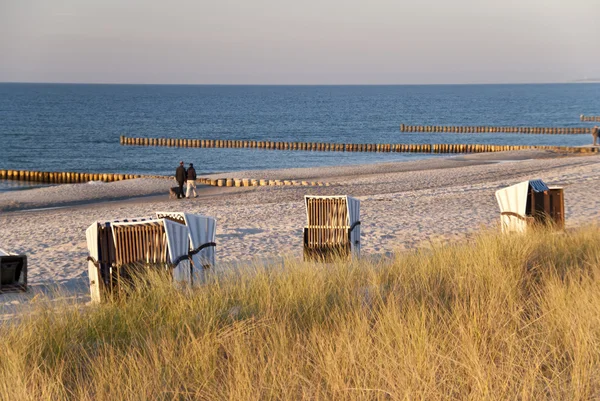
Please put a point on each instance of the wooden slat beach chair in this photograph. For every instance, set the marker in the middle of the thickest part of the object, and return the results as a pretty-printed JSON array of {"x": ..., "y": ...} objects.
[
  {"x": 13, "y": 272},
  {"x": 333, "y": 227},
  {"x": 116, "y": 247},
  {"x": 101, "y": 248},
  {"x": 530, "y": 203},
  {"x": 202, "y": 234}
]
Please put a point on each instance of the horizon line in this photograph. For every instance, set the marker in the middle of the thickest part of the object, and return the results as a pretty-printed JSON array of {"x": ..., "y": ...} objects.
[{"x": 300, "y": 84}]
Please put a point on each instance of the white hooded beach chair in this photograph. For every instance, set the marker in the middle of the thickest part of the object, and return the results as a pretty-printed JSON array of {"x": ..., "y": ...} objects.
[
  {"x": 116, "y": 245},
  {"x": 202, "y": 233},
  {"x": 333, "y": 227},
  {"x": 13, "y": 272},
  {"x": 528, "y": 203}
]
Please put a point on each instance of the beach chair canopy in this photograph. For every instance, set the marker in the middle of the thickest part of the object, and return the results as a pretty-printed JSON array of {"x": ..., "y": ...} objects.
[
  {"x": 513, "y": 204},
  {"x": 338, "y": 217},
  {"x": 202, "y": 234}
]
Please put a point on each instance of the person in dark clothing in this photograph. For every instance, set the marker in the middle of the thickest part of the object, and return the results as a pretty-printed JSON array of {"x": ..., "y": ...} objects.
[
  {"x": 180, "y": 176},
  {"x": 191, "y": 181},
  {"x": 595, "y": 133}
]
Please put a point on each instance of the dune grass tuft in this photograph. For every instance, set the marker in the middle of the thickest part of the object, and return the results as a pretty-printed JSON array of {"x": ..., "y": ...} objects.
[{"x": 498, "y": 318}]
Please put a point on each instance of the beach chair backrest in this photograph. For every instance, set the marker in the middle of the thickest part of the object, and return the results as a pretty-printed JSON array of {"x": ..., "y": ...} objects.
[
  {"x": 158, "y": 241},
  {"x": 327, "y": 212},
  {"x": 327, "y": 221},
  {"x": 332, "y": 222},
  {"x": 146, "y": 242},
  {"x": 150, "y": 241}
]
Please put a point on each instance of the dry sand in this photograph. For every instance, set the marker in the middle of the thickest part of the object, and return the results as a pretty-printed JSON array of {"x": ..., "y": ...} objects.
[{"x": 403, "y": 205}]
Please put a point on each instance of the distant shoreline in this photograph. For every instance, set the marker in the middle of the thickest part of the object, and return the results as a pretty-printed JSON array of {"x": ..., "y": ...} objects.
[{"x": 294, "y": 85}]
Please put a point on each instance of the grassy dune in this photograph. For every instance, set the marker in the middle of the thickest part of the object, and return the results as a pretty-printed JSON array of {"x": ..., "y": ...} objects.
[{"x": 499, "y": 318}]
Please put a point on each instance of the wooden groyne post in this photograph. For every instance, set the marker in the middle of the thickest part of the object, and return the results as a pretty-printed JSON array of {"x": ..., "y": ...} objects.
[{"x": 589, "y": 118}]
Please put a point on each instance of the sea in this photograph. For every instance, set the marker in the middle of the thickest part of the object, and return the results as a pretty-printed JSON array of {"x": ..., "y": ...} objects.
[{"x": 76, "y": 127}]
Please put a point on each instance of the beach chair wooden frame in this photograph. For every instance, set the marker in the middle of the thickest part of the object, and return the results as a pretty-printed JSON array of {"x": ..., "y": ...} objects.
[
  {"x": 13, "y": 272},
  {"x": 119, "y": 248},
  {"x": 531, "y": 203},
  {"x": 333, "y": 228}
]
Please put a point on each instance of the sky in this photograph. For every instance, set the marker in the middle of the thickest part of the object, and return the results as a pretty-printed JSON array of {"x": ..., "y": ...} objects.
[{"x": 299, "y": 42}]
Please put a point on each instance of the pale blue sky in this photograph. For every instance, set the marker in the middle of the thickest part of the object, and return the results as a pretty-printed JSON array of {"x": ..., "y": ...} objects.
[{"x": 299, "y": 42}]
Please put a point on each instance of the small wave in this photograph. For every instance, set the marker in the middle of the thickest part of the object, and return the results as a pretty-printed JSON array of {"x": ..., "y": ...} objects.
[{"x": 10, "y": 186}]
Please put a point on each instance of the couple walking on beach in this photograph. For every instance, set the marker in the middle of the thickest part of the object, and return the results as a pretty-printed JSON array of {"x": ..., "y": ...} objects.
[{"x": 182, "y": 176}]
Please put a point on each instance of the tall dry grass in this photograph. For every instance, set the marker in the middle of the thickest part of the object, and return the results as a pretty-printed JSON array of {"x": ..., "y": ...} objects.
[{"x": 499, "y": 318}]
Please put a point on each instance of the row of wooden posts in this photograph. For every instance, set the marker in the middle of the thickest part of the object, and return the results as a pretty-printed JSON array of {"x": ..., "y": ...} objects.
[
  {"x": 589, "y": 118},
  {"x": 483, "y": 129},
  {"x": 341, "y": 147},
  {"x": 251, "y": 182},
  {"x": 74, "y": 178},
  {"x": 63, "y": 177}
]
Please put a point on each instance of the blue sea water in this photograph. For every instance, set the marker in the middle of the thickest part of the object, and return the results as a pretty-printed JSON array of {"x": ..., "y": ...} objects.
[{"x": 73, "y": 127}]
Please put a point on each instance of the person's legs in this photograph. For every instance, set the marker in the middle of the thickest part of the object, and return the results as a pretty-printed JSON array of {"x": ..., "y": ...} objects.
[
  {"x": 194, "y": 189},
  {"x": 180, "y": 194},
  {"x": 189, "y": 188}
]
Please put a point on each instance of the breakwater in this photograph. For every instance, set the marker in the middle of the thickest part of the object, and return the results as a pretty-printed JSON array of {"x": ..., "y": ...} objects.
[
  {"x": 341, "y": 147},
  {"x": 46, "y": 177},
  {"x": 252, "y": 182},
  {"x": 589, "y": 118},
  {"x": 488, "y": 129},
  {"x": 65, "y": 177}
]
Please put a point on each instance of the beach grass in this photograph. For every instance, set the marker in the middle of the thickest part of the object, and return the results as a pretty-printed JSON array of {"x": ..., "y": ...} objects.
[{"x": 500, "y": 317}]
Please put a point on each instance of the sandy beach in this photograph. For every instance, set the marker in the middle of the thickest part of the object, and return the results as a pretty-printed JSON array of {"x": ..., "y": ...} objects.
[{"x": 403, "y": 205}]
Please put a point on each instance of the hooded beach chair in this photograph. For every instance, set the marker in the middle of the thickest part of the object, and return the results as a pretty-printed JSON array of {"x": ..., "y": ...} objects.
[
  {"x": 116, "y": 246},
  {"x": 13, "y": 272},
  {"x": 530, "y": 203},
  {"x": 202, "y": 233},
  {"x": 333, "y": 227}
]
